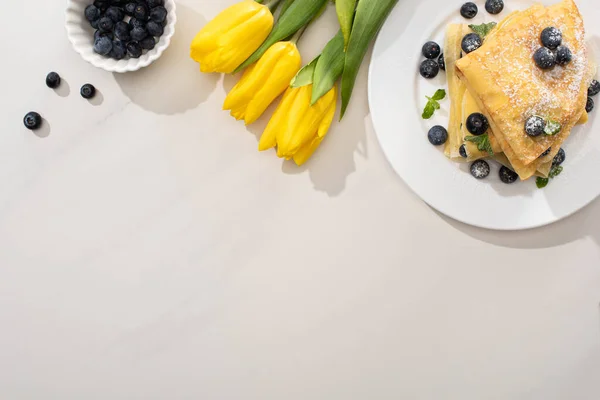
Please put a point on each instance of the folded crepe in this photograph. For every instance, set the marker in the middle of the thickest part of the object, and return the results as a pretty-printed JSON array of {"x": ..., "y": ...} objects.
[{"x": 508, "y": 87}]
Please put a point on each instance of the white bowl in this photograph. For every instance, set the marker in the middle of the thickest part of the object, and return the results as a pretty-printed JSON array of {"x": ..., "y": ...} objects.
[{"x": 81, "y": 35}]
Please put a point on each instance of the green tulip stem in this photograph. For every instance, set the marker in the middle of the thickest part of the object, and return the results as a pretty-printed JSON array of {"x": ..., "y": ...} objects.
[
  {"x": 273, "y": 5},
  {"x": 298, "y": 34}
]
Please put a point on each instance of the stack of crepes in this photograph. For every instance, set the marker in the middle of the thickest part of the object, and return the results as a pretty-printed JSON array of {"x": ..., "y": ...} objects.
[{"x": 502, "y": 81}]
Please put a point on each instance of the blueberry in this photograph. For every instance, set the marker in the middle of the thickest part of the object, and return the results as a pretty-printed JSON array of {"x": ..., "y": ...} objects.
[
  {"x": 136, "y": 23},
  {"x": 155, "y": 3},
  {"x": 53, "y": 80},
  {"x": 88, "y": 91},
  {"x": 471, "y": 42},
  {"x": 148, "y": 43},
  {"x": 442, "y": 62},
  {"x": 544, "y": 154},
  {"x": 563, "y": 55},
  {"x": 92, "y": 13},
  {"x": 480, "y": 169},
  {"x": 544, "y": 58},
  {"x": 114, "y": 13},
  {"x": 535, "y": 125},
  {"x": 138, "y": 33},
  {"x": 141, "y": 11},
  {"x": 551, "y": 37},
  {"x": 98, "y": 35},
  {"x": 103, "y": 45},
  {"x": 102, "y": 4},
  {"x": 158, "y": 14},
  {"x": 469, "y": 10},
  {"x": 594, "y": 88},
  {"x": 477, "y": 124},
  {"x": 559, "y": 158},
  {"x": 494, "y": 6},
  {"x": 122, "y": 31},
  {"x": 94, "y": 24},
  {"x": 119, "y": 50},
  {"x": 134, "y": 49},
  {"x": 589, "y": 106},
  {"x": 32, "y": 120},
  {"x": 105, "y": 24},
  {"x": 429, "y": 69},
  {"x": 154, "y": 28},
  {"x": 507, "y": 175},
  {"x": 431, "y": 50},
  {"x": 130, "y": 8},
  {"x": 463, "y": 151},
  {"x": 437, "y": 135}
]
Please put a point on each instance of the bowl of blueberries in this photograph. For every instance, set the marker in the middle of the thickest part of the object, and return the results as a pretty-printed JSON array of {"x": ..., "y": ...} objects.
[{"x": 120, "y": 35}]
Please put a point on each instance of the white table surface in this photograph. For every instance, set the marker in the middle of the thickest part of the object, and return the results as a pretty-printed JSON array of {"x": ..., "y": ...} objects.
[{"x": 149, "y": 251}]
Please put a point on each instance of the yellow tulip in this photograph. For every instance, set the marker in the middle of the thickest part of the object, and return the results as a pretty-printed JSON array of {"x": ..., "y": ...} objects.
[
  {"x": 231, "y": 37},
  {"x": 263, "y": 82},
  {"x": 297, "y": 128}
]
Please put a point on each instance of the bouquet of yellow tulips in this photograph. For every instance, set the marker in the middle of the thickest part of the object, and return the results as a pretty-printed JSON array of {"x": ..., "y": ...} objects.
[{"x": 248, "y": 37}]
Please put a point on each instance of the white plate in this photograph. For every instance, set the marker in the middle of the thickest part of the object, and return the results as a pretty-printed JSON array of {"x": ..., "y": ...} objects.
[{"x": 397, "y": 97}]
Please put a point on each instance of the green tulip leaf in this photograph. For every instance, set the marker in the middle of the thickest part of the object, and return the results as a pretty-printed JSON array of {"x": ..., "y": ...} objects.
[
  {"x": 285, "y": 5},
  {"x": 305, "y": 75},
  {"x": 329, "y": 67},
  {"x": 345, "y": 11},
  {"x": 298, "y": 14},
  {"x": 370, "y": 16}
]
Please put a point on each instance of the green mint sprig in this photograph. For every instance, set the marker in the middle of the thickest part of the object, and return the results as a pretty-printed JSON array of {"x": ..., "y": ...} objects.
[
  {"x": 552, "y": 127},
  {"x": 483, "y": 29},
  {"x": 433, "y": 103},
  {"x": 554, "y": 172},
  {"x": 482, "y": 142}
]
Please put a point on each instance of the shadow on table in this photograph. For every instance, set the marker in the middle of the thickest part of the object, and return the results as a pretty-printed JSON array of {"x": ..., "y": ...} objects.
[
  {"x": 172, "y": 84},
  {"x": 584, "y": 223}
]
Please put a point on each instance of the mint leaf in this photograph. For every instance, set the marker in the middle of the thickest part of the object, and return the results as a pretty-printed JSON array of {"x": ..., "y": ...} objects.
[
  {"x": 483, "y": 29},
  {"x": 552, "y": 127},
  {"x": 555, "y": 171},
  {"x": 541, "y": 182},
  {"x": 428, "y": 111},
  {"x": 440, "y": 94},
  {"x": 482, "y": 142}
]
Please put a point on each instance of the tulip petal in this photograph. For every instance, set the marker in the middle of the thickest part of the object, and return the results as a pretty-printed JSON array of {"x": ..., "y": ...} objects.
[
  {"x": 306, "y": 151},
  {"x": 268, "y": 139}
]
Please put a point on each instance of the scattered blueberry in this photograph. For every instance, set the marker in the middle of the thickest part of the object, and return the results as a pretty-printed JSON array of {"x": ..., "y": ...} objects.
[
  {"x": 158, "y": 14},
  {"x": 32, "y": 120},
  {"x": 119, "y": 50},
  {"x": 437, "y": 135},
  {"x": 563, "y": 55},
  {"x": 544, "y": 58},
  {"x": 88, "y": 91},
  {"x": 154, "y": 28},
  {"x": 471, "y": 42},
  {"x": 92, "y": 13},
  {"x": 559, "y": 158},
  {"x": 477, "y": 124},
  {"x": 494, "y": 6},
  {"x": 148, "y": 43},
  {"x": 430, "y": 50},
  {"x": 134, "y": 49},
  {"x": 589, "y": 106},
  {"x": 463, "y": 151},
  {"x": 480, "y": 169},
  {"x": 429, "y": 69},
  {"x": 94, "y": 24},
  {"x": 155, "y": 3},
  {"x": 103, "y": 45},
  {"x": 136, "y": 23},
  {"x": 138, "y": 33},
  {"x": 53, "y": 80},
  {"x": 594, "y": 88},
  {"x": 442, "y": 62},
  {"x": 141, "y": 11},
  {"x": 551, "y": 37},
  {"x": 507, "y": 175},
  {"x": 115, "y": 13},
  {"x": 102, "y": 4},
  {"x": 98, "y": 34},
  {"x": 122, "y": 31},
  {"x": 535, "y": 125},
  {"x": 105, "y": 24},
  {"x": 130, "y": 8},
  {"x": 544, "y": 154},
  {"x": 469, "y": 10}
]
